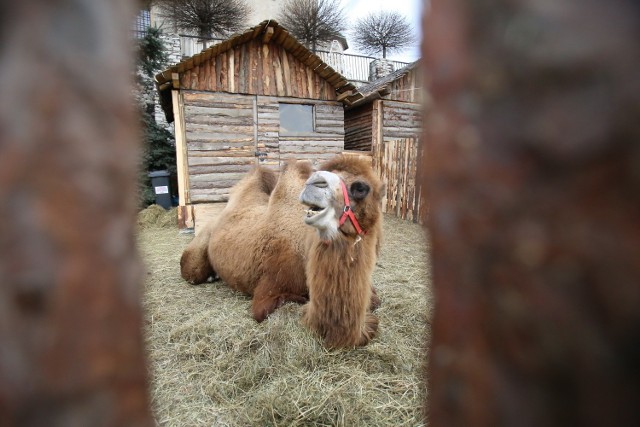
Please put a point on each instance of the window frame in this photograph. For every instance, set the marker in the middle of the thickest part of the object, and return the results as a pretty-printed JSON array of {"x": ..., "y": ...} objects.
[{"x": 297, "y": 133}]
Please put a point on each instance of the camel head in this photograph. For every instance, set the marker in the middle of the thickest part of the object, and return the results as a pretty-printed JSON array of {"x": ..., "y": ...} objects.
[{"x": 324, "y": 195}]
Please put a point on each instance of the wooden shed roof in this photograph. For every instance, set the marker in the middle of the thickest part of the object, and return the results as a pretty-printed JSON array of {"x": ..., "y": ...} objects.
[
  {"x": 378, "y": 88},
  {"x": 268, "y": 30}
]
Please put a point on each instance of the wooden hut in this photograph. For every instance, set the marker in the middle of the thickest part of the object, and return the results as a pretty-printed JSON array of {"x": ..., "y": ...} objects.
[
  {"x": 384, "y": 118},
  {"x": 259, "y": 97}
]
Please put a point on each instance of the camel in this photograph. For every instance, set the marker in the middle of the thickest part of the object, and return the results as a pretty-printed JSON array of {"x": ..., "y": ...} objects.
[{"x": 266, "y": 244}]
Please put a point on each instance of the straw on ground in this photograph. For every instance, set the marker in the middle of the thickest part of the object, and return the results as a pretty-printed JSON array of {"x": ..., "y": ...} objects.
[{"x": 212, "y": 364}]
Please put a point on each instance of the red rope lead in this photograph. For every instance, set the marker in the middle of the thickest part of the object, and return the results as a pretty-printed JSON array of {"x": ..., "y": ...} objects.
[{"x": 348, "y": 213}]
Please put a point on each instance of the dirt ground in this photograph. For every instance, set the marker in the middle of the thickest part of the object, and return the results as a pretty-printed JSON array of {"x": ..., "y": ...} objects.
[{"x": 212, "y": 364}]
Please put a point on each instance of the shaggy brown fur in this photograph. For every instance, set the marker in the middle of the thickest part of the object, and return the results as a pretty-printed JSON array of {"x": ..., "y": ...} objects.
[
  {"x": 261, "y": 246},
  {"x": 249, "y": 197},
  {"x": 251, "y": 247},
  {"x": 339, "y": 272}
]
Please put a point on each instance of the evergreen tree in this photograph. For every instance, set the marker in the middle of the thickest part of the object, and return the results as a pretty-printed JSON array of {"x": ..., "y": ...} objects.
[{"x": 158, "y": 151}]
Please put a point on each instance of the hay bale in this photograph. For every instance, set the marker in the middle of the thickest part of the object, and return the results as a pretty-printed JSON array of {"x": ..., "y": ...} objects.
[
  {"x": 168, "y": 219},
  {"x": 147, "y": 217},
  {"x": 156, "y": 216}
]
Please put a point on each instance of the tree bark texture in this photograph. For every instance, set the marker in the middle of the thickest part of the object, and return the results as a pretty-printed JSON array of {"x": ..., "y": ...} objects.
[
  {"x": 532, "y": 169},
  {"x": 71, "y": 347}
]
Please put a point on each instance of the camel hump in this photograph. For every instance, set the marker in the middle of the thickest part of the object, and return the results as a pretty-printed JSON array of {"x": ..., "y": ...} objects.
[
  {"x": 304, "y": 168},
  {"x": 266, "y": 178}
]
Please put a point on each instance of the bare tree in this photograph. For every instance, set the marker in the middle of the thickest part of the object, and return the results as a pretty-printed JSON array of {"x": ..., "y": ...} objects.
[
  {"x": 383, "y": 32},
  {"x": 206, "y": 18},
  {"x": 313, "y": 21}
]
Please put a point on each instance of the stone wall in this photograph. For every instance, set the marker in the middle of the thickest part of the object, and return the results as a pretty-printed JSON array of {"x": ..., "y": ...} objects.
[
  {"x": 147, "y": 94},
  {"x": 172, "y": 45}
]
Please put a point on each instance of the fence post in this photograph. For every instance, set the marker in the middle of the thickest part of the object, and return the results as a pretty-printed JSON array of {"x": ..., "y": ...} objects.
[
  {"x": 531, "y": 171},
  {"x": 71, "y": 346}
]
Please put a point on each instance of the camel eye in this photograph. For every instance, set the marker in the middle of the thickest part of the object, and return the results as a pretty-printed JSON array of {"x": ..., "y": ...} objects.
[{"x": 359, "y": 190}]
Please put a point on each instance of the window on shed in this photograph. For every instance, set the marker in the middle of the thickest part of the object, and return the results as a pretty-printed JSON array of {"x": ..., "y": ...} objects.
[{"x": 296, "y": 119}]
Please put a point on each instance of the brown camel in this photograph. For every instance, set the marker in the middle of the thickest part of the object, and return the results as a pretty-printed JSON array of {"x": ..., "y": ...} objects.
[{"x": 262, "y": 245}]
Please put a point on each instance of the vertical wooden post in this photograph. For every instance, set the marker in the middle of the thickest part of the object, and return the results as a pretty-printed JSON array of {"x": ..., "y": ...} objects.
[
  {"x": 181, "y": 147},
  {"x": 255, "y": 128},
  {"x": 185, "y": 210},
  {"x": 231, "y": 73},
  {"x": 71, "y": 345},
  {"x": 376, "y": 134},
  {"x": 377, "y": 145},
  {"x": 531, "y": 165}
]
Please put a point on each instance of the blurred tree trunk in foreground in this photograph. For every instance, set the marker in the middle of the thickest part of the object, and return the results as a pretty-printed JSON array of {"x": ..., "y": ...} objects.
[
  {"x": 71, "y": 347},
  {"x": 532, "y": 168}
]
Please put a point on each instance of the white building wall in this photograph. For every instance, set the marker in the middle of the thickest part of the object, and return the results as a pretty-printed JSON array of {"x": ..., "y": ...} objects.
[
  {"x": 158, "y": 21},
  {"x": 263, "y": 10}
]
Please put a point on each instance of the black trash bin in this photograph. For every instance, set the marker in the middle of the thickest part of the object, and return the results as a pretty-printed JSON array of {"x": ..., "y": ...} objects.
[{"x": 160, "y": 184}]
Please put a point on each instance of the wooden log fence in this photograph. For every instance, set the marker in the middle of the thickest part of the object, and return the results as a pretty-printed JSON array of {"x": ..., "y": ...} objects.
[{"x": 398, "y": 160}]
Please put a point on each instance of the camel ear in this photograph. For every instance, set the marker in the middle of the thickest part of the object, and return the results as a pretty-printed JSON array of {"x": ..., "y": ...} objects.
[{"x": 359, "y": 190}]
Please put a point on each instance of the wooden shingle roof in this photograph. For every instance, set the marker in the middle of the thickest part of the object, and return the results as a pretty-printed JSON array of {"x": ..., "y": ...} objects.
[
  {"x": 268, "y": 30},
  {"x": 378, "y": 88}
]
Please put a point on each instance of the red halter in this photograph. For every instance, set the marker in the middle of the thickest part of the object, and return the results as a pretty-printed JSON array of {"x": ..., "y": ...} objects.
[{"x": 348, "y": 213}]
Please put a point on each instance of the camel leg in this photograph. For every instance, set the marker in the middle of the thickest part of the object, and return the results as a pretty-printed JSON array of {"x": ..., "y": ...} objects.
[
  {"x": 336, "y": 336},
  {"x": 195, "y": 267},
  {"x": 266, "y": 299},
  {"x": 369, "y": 331}
]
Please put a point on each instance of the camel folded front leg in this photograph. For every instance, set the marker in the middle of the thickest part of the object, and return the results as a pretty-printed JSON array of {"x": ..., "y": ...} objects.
[
  {"x": 195, "y": 266},
  {"x": 266, "y": 299}
]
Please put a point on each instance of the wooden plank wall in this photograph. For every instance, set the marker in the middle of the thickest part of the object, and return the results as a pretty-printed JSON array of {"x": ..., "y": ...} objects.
[
  {"x": 401, "y": 120},
  {"x": 398, "y": 171},
  {"x": 220, "y": 142},
  {"x": 393, "y": 129},
  {"x": 268, "y": 127},
  {"x": 206, "y": 212},
  {"x": 399, "y": 142},
  {"x": 326, "y": 141},
  {"x": 408, "y": 88},
  {"x": 221, "y": 138},
  {"x": 358, "y": 128},
  {"x": 260, "y": 69}
]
